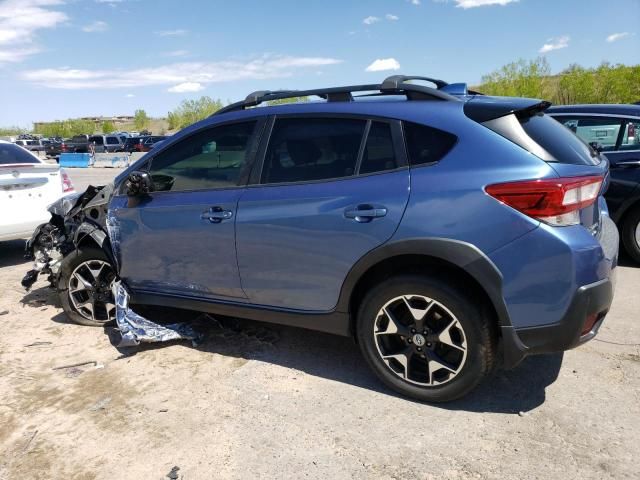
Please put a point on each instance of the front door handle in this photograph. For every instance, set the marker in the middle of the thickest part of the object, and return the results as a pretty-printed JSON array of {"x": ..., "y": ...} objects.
[
  {"x": 216, "y": 214},
  {"x": 365, "y": 213},
  {"x": 626, "y": 164}
]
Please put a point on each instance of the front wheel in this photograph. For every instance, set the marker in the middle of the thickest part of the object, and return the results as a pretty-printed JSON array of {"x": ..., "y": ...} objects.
[
  {"x": 86, "y": 278},
  {"x": 425, "y": 338}
]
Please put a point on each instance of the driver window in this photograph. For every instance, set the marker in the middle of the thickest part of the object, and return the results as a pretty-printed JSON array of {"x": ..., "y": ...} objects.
[{"x": 212, "y": 158}]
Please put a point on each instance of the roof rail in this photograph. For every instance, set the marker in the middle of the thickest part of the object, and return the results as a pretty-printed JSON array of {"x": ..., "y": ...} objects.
[
  {"x": 394, "y": 81},
  {"x": 391, "y": 85}
]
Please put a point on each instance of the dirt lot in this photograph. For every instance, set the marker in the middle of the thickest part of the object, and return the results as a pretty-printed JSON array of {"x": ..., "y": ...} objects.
[{"x": 273, "y": 402}]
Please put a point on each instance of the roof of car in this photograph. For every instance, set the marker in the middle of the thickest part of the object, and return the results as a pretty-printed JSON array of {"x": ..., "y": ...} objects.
[{"x": 611, "y": 109}]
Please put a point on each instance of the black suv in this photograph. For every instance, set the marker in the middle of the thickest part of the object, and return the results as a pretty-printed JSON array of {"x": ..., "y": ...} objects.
[{"x": 614, "y": 130}]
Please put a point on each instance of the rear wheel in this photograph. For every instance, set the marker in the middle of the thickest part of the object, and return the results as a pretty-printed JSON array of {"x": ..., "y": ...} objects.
[
  {"x": 424, "y": 338},
  {"x": 631, "y": 234},
  {"x": 86, "y": 277}
]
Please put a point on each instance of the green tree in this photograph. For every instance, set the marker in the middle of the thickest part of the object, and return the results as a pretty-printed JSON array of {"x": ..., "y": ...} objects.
[
  {"x": 140, "y": 119},
  {"x": 603, "y": 84},
  {"x": 108, "y": 126},
  {"x": 11, "y": 131},
  {"x": 192, "y": 111}
]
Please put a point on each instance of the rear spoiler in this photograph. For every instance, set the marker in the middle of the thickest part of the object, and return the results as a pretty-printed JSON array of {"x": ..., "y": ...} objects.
[{"x": 484, "y": 108}]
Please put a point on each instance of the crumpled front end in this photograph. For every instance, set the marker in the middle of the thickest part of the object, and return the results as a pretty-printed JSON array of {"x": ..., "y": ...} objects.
[
  {"x": 72, "y": 218},
  {"x": 83, "y": 217}
]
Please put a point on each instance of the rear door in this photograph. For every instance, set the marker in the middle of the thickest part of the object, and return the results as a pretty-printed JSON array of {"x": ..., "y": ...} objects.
[
  {"x": 180, "y": 239},
  {"x": 329, "y": 191}
]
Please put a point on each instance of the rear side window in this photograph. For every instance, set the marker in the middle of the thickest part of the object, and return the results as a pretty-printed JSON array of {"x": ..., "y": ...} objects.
[
  {"x": 379, "y": 153},
  {"x": 426, "y": 145},
  {"x": 631, "y": 137},
  {"x": 10, "y": 154},
  {"x": 112, "y": 140},
  {"x": 97, "y": 140},
  {"x": 306, "y": 149}
]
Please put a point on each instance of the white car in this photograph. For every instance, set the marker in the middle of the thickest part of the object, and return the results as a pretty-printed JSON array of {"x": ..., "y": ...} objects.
[{"x": 27, "y": 186}]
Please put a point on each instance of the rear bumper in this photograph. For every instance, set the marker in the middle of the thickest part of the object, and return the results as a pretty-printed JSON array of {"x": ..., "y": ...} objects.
[{"x": 580, "y": 324}]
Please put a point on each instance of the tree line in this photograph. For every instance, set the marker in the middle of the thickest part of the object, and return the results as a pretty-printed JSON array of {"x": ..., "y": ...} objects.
[{"x": 606, "y": 83}]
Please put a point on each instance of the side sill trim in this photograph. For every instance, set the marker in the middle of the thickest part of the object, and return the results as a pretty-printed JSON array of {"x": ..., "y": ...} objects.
[{"x": 334, "y": 322}]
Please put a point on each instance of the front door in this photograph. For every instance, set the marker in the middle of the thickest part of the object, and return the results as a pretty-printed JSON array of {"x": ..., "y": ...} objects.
[
  {"x": 180, "y": 239},
  {"x": 331, "y": 190}
]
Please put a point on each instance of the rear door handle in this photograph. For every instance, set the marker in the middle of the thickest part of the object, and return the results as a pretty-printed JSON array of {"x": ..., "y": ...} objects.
[
  {"x": 216, "y": 215},
  {"x": 365, "y": 213}
]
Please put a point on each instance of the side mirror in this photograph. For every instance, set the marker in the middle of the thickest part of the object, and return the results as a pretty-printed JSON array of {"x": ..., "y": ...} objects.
[
  {"x": 138, "y": 184},
  {"x": 596, "y": 146}
]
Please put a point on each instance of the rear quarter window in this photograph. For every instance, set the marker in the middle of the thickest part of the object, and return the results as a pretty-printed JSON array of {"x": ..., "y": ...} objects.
[{"x": 426, "y": 145}]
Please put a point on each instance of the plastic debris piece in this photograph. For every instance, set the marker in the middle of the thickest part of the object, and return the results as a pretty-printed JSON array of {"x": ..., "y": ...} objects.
[
  {"x": 173, "y": 474},
  {"x": 100, "y": 404},
  {"x": 136, "y": 329}
]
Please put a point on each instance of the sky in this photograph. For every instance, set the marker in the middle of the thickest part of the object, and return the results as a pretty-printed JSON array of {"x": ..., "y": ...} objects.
[{"x": 70, "y": 58}]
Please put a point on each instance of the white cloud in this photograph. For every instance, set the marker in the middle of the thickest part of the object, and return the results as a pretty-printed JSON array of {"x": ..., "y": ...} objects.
[
  {"x": 414, "y": 2},
  {"x": 96, "y": 27},
  {"x": 482, "y": 3},
  {"x": 186, "y": 87},
  {"x": 555, "y": 44},
  {"x": 111, "y": 3},
  {"x": 382, "y": 64},
  {"x": 260, "y": 68},
  {"x": 618, "y": 36},
  {"x": 391, "y": 18},
  {"x": 129, "y": 95},
  {"x": 176, "y": 53},
  {"x": 20, "y": 20},
  {"x": 172, "y": 33},
  {"x": 370, "y": 20}
]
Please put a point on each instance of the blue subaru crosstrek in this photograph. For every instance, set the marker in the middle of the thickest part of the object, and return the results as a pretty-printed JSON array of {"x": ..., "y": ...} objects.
[{"x": 445, "y": 230}]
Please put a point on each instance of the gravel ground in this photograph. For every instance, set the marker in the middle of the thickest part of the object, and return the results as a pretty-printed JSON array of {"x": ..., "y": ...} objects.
[{"x": 274, "y": 402}]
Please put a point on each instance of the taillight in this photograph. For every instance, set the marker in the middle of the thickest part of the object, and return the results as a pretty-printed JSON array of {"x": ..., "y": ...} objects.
[
  {"x": 67, "y": 184},
  {"x": 63, "y": 147},
  {"x": 556, "y": 201}
]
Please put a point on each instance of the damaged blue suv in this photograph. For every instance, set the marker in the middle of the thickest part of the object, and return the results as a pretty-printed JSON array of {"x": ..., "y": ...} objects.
[{"x": 445, "y": 230}]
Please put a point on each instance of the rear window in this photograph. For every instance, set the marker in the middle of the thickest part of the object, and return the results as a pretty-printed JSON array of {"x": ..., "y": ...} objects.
[
  {"x": 10, "y": 154},
  {"x": 426, "y": 145},
  {"x": 79, "y": 139}
]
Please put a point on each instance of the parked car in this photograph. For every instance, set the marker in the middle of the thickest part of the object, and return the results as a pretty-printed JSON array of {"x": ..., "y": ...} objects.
[
  {"x": 615, "y": 130},
  {"x": 141, "y": 144},
  {"x": 106, "y": 143},
  {"x": 446, "y": 232},
  {"x": 32, "y": 145},
  {"x": 27, "y": 186}
]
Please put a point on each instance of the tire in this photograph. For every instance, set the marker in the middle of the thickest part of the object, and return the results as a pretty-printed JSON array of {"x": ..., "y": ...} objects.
[
  {"x": 630, "y": 234},
  {"x": 99, "y": 307},
  {"x": 458, "y": 330}
]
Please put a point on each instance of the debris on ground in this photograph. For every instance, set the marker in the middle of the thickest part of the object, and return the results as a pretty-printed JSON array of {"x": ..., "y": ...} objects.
[
  {"x": 100, "y": 405},
  {"x": 79, "y": 364},
  {"x": 173, "y": 474},
  {"x": 4, "y": 312},
  {"x": 136, "y": 329}
]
